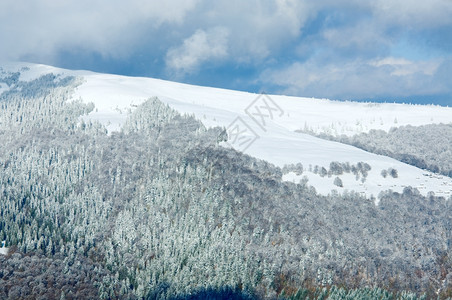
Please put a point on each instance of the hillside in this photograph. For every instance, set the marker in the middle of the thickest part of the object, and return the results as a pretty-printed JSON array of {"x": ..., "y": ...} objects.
[
  {"x": 279, "y": 141},
  {"x": 131, "y": 188}
]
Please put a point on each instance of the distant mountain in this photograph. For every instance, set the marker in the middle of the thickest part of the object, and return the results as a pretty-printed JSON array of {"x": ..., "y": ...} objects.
[{"x": 143, "y": 188}]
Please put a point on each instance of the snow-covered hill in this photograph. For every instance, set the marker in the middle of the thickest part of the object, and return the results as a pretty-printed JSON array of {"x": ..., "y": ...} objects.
[{"x": 264, "y": 126}]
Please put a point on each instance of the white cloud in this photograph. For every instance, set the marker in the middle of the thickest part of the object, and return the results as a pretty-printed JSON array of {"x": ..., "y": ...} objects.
[
  {"x": 258, "y": 29},
  {"x": 331, "y": 47},
  {"x": 358, "y": 78},
  {"x": 414, "y": 13},
  {"x": 405, "y": 67},
  {"x": 41, "y": 28},
  {"x": 202, "y": 46},
  {"x": 352, "y": 58}
]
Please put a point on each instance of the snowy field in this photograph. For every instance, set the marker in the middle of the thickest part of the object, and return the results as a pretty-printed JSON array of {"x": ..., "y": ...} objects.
[{"x": 264, "y": 126}]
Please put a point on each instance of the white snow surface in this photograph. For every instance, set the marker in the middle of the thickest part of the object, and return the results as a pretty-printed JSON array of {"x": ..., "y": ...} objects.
[
  {"x": 114, "y": 96},
  {"x": 4, "y": 250}
]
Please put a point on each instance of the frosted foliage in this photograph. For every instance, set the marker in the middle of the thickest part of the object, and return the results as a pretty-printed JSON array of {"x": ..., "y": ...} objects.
[
  {"x": 428, "y": 146},
  {"x": 159, "y": 210}
]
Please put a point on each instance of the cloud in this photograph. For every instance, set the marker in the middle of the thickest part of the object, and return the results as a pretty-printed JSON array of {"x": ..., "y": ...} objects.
[
  {"x": 330, "y": 48},
  {"x": 358, "y": 79},
  {"x": 202, "y": 46},
  {"x": 348, "y": 54},
  {"x": 413, "y": 14},
  {"x": 364, "y": 38},
  {"x": 42, "y": 28},
  {"x": 404, "y": 67},
  {"x": 257, "y": 29}
]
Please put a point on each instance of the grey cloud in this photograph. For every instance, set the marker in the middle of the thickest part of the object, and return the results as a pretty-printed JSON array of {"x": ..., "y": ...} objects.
[
  {"x": 258, "y": 29},
  {"x": 110, "y": 28}
]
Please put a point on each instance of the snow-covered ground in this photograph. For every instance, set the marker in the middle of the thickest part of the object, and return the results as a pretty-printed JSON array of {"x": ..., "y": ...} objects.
[
  {"x": 264, "y": 126},
  {"x": 4, "y": 250}
]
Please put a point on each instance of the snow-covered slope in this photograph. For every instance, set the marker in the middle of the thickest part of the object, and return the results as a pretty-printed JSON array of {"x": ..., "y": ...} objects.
[
  {"x": 264, "y": 126},
  {"x": 3, "y": 250}
]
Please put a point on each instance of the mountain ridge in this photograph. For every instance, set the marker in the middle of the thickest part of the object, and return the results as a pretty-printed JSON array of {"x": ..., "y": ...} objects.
[
  {"x": 115, "y": 96},
  {"x": 161, "y": 209}
]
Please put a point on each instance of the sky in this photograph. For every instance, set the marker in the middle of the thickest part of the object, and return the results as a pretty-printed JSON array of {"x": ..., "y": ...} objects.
[{"x": 379, "y": 50}]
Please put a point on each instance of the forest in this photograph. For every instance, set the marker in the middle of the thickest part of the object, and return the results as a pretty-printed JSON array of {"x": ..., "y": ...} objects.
[
  {"x": 428, "y": 147},
  {"x": 160, "y": 211}
]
